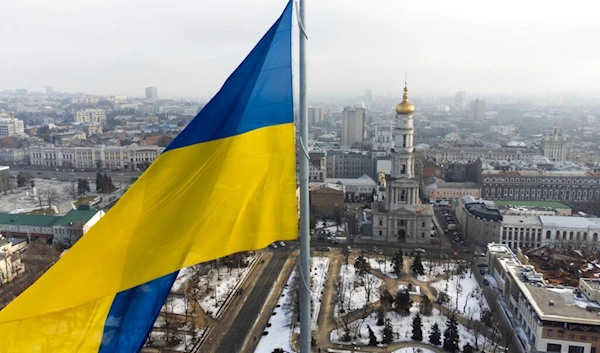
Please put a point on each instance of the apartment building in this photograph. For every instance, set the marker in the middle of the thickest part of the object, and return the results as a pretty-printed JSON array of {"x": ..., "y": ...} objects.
[{"x": 90, "y": 116}]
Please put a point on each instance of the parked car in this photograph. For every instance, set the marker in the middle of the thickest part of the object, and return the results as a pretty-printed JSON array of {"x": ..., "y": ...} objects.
[
  {"x": 281, "y": 243},
  {"x": 486, "y": 282}
]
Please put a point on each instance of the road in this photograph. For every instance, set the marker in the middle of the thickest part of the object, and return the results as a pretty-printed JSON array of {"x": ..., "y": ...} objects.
[
  {"x": 124, "y": 177},
  {"x": 245, "y": 318}
]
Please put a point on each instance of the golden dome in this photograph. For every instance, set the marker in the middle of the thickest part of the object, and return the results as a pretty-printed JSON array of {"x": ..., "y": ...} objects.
[{"x": 405, "y": 107}]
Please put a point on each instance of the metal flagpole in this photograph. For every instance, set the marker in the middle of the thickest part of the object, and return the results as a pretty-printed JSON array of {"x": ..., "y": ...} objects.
[{"x": 305, "y": 320}]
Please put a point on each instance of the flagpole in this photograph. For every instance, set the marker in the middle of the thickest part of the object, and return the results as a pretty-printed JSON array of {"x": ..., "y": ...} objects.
[{"x": 304, "y": 303}]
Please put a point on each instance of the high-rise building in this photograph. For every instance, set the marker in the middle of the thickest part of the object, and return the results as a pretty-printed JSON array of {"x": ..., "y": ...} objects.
[
  {"x": 353, "y": 125},
  {"x": 460, "y": 100},
  {"x": 49, "y": 90},
  {"x": 151, "y": 93},
  {"x": 22, "y": 91},
  {"x": 90, "y": 116},
  {"x": 315, "y": 115},
  {"x": 477, "y": 110},
  {"x": 554, "y": 145},
  {"x": 398, "y": 215},
  {"x": 368, "y": 95},
  {"x": 10, "y": 126}
]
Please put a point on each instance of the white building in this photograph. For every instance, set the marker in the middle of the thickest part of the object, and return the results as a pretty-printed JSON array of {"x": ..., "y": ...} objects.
[
  {"x": 561, "y": 232},
  {"x": 315, "y": 115},
  {"x": 353, "y": 125},
  {"x": 14, "y": 156},
  {"x": 554, "y": 145},
  {"x": 90, "y": 116},
  {"x": 383, "y": 138},
  {"x": 86, "y": 158},
  {"x": 460, "y": 100},
  {"x": 9, "y": 125},
  {"x": 398, "y": 215}
]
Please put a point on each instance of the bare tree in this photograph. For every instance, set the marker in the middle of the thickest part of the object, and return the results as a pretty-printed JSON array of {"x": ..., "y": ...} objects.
[
  {"x": 72, "y": 190},
  {"x": 369, "y": 282},
  {"x": 168, "y": 312},
  {"x": 51, "y": 197}
]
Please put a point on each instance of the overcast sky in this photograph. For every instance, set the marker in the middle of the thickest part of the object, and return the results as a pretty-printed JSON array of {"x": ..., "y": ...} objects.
[{"x": 188, "y": 47}]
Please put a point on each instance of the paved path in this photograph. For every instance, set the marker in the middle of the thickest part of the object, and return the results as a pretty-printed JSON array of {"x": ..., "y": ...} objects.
[{"x": 233, "y": 339}]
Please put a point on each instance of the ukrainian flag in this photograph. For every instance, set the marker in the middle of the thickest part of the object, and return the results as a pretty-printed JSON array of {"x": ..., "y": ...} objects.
[{"x": 225, "y": 184}]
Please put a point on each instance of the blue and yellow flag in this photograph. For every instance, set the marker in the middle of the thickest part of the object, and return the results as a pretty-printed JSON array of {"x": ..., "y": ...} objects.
[{"x": 225, "y": 184}]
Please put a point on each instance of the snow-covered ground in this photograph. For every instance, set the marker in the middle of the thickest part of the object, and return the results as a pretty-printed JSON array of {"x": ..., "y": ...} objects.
[
  {"x": 470, "y": 297},
  {"x": 182, "y": 277},
  {"x": 403, "y": 328},
  {"x": 413, "y": 350},
  {"x": 221, "y": 288},
  {"x": 382, "y": 265},
  {"x": 415, "y": 290},
  {"x": 186, "y": 341},
  {"x": 434, "y": 269},
  {"x": 280, "y": 332},
  {"x": 354, "y": 292},
  {"x": 329, "y": 226},
  {"x": 318, "y": 271}
]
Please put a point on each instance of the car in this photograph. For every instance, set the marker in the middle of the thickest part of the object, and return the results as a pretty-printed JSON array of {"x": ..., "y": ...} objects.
[
  {"x": 274, "y": 246},
  {"x": 120, "y": 174},
  {"x": 71, "y": 173},
  {"x": 281, "y": 243},
  {"x": 486, "y": 282}
]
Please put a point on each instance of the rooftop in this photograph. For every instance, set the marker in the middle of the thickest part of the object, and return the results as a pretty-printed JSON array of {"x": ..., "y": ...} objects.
[
  {"x": 570, "y": 222},
  {"x": 555, "y": 205},
  {"x": 28, "y": 220},
  {"x": 522, "y": 220},
  {"x": 76, "y": 216}
]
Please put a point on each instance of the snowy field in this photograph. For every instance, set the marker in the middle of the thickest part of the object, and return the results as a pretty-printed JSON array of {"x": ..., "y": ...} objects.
[
  {"x": 280, "y": 332},
  {"x": 470, "y": 297},
  {"x": 434, "y": 269},
  {"x": 413, "y": 350},
  {"x": 353, "y": 293},
  {"x": 329, "y": 226},
  {"x": 382, "y": 265},
  {"x": 221, "y": 288},
  {"x": 403, "y": 328},
  {"x": 318, "y": 274}
]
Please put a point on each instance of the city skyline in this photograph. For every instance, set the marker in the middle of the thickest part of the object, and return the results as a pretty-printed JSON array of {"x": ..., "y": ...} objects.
[{"x": 444, "y": 47}]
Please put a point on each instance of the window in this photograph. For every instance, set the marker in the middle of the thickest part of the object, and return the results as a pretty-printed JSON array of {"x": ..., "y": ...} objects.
[
  {"x": 380, "y": 233},
  {"x": 575, "y": 349},
  {"x": 548, "y": 235},
  {"x": 594, "y": 339},
  {"x": 380, "y": 222},
  {"x": 571, "y": 337},
  {"x": 422, "y": 224},
  {"x": 583, "y": 338},
  {"x": 551, "y": 347},
  {"x": 561, "y": 333},
  {"x": 549, "y": 333}
]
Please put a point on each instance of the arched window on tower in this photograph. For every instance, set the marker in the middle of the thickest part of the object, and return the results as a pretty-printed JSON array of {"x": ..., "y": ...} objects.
[
  {"x": 403, "y": 195},
  {"x": 403, "y": 169},
  {"x": 403, "y": 140}
]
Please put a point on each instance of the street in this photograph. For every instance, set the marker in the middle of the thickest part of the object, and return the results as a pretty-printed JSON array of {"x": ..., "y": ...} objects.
[{"x": 124, "y": 177}]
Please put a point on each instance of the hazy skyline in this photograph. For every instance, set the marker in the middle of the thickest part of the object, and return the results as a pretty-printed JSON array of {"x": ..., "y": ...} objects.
[{"x": 188, "y": 48}]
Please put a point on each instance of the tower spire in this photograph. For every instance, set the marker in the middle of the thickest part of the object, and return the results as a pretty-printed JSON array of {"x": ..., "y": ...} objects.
[{"x": 405, "y": 107}]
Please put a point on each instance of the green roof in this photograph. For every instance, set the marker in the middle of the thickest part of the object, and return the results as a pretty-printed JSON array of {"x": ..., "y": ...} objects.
[
  {"x": 81, "y": 216},
  {"x": 28, "y": 219},
  {"x": 553, "y": 204}
]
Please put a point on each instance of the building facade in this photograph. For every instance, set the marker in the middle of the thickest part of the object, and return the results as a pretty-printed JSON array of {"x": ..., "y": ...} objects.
[
  {"x": 460, "y": 100},
  {"x": 90, "y": 116},
  {"x": 540, "y": 186},
  {"x": 572, "y": 233},
  {"x": 480, "y": 221},
  {"x": 348, "y": 163},
  {"x": 353, "y": 125},
  {"x": 87, "y": 158},
  {"x": 325, "y": 201},
  {"x": 545, "y": 318},
  {"x": 14, "y": 156},
  {"x": 554, "y": 145},
  {"x": 315, "y": 115},
  {"x": 398, "y": 215},
  {"x": 477, "y": 110},
  {"x": 466, "y": 154},
  {"x": 151, "y": 93},
  {"x": 317, "y": 166},
  {"x": 9, "y": 125}
]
